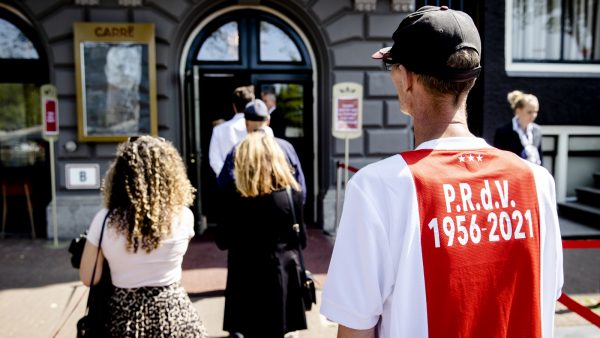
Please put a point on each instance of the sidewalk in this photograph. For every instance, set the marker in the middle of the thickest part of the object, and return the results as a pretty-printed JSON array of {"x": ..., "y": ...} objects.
[{"x": 37, "y": 279}]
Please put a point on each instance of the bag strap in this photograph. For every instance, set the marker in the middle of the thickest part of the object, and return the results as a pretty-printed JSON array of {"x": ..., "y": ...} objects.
[
  {"x": 93, "y": 275},
  {"x": 97, "y": 256},
  {"x": 295, "y": 227},
  {"x": 70, "y": 313}
]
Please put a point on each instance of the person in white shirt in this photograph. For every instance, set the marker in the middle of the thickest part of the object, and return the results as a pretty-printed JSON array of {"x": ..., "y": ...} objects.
[
  {"x": 143, "y": 232},
  {"x": 455, "y": 238},
  {"x": 231, "y": 132}
]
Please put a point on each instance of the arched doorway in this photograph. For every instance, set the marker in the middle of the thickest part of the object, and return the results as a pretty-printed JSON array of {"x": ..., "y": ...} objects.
[
  {"x": 24, "y": 158},
  {"x": 245, "y": 46}
]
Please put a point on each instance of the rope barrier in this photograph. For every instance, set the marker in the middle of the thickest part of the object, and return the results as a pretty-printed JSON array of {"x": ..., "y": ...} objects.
[
  {"x": 569, "y": 302},
  {"x": 581, "y": 244},
  {"x": 349, "y": 167},
  {"x": 579, "y": 309}
]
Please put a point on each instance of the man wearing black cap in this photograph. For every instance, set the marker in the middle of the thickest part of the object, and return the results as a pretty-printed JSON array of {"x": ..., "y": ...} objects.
[
  {"x": 455, "y": 238},
  {"x": 257, "y": 116}
]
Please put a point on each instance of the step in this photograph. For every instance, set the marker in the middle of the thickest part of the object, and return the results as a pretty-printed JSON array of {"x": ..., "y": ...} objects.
[
  {"x": 589, "y": 196},
  {"x": 581, "y": 213},
  {"x": 597, "y": 179}
]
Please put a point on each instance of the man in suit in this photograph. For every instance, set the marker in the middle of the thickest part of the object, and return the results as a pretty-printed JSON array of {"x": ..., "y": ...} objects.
[{"x": 277, "y": 121}]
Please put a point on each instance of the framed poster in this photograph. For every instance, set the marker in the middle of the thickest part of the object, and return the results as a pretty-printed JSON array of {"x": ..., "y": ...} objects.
[{"x": 116, "y": 80}]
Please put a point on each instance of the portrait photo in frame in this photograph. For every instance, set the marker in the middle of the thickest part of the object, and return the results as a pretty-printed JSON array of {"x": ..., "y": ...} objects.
[{"x": 116, "y": 80}]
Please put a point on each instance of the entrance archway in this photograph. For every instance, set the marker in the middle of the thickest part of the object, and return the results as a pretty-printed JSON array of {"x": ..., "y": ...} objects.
[
  {"x": 242, "y": 46},
  {"x": 24, "y": 157}
]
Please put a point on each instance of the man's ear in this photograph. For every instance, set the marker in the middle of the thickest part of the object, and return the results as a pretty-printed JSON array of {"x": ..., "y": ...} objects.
[{"x": 407, "y": 79}]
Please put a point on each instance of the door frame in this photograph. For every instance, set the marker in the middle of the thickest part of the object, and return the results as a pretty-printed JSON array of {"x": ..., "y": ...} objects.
[{"x": 193, "y": 148}]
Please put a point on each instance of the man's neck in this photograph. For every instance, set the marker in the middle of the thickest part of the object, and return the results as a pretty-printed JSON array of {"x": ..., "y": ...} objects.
[{"x": 430, "y": 124}]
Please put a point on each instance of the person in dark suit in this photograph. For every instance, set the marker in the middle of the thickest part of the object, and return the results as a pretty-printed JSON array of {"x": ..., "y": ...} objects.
[
  {"x": 521, "y": 135},
  {"x": 263, "y": 269},
  {"x": 277, "y": 121}
]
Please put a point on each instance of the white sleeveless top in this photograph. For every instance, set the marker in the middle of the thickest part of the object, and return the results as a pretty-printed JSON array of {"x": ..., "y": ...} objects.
[{"x": 159, "y": 267}]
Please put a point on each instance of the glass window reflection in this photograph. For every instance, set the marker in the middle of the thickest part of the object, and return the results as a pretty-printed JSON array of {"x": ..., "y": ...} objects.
[
  {"x": 276, "y": 45},
  {"x": 14, "y": 44},
  {"x": 20, "y": 125},
  {"x": 287, "y": 113},
  {"x": 222, "y": 44}
]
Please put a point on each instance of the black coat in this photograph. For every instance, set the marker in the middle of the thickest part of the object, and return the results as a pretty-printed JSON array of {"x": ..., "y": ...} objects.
[
  {"x": 278, "y": 123},
  {"x": 508, "y": 139},
  {"x": 262, "y": 297}
]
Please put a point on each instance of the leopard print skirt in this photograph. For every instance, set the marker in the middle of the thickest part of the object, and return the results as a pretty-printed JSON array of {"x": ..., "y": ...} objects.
[{"x": 158, "y": 311}]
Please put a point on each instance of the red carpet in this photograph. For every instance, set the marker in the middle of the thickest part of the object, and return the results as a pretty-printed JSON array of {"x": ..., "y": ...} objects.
[{"x": 205, "y": 266}]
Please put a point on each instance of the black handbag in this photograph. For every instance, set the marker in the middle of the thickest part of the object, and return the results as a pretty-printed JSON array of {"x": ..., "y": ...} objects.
[
  {"x": 76, "y": 250},
  {"x": 308, "y": 290},
  {"x": 95, "y": 321}
]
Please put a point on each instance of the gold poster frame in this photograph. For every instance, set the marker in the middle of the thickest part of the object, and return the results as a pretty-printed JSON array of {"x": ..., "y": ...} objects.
[{"x": 115, "y": 70}]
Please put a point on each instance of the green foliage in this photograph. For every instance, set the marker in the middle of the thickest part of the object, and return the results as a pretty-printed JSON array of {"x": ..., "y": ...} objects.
[
  {"x": 19, "y": 106},
  {"x": 290, "y": 101}
]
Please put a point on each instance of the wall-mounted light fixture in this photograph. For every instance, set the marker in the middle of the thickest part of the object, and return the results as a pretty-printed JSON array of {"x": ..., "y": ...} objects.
[
  {"x": 365, "y": 5},
  {"x": 403, "y": 5}
]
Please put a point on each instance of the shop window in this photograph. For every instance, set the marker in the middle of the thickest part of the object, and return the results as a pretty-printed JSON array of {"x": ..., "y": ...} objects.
[
  {"x": 276, "y": 45},
  {"x": 222, "y": 44},
  {"x": 553, "y": 38}
]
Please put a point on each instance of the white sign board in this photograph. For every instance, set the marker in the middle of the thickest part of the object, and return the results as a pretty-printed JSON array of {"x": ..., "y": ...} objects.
[
  {"x": 49, "y": 111},
  {"x": 347, "y": 110},
  {"x": 82, "y": 175}
]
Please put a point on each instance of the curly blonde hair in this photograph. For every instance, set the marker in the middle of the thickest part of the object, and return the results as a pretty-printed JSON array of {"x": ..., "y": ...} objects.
[
  {"x": 261, "y": 167},
  {"x": 144, "y": 187}
]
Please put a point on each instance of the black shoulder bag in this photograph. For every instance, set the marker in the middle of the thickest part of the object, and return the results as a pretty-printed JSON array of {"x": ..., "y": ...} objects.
[
  {"x": 309, "y": 294},
  {"x": 95, "y": 322}
]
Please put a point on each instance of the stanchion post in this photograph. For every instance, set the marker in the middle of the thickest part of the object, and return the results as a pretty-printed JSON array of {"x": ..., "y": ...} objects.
[
  {"x": 49, "y": 103},
  {"x": 346, "y": 160},
  {"x": 53, "y": 184},
  {"x": 338, "y": 190}
]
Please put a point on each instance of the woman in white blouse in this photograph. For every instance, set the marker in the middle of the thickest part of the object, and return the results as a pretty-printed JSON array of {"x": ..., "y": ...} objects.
[
  {"x": 148, "y": 226},
  {"x": 521, "y": 135}
]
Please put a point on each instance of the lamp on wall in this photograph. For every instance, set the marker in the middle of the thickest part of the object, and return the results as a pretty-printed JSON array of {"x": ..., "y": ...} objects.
[
  {"x": 365, "y": 5},
  {"x": 403, "y": 5},
  {"x": 130, "y": 3},
  {"x": 87, "y": 2}
]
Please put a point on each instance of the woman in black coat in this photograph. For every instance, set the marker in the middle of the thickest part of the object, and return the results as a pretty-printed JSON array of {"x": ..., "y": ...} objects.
[
  {"x": 521, "y": 135},
  {"x": 262, "y": 296}
]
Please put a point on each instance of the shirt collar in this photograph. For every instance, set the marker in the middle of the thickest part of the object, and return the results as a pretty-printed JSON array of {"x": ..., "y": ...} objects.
[{"x": 454, "y": 143}]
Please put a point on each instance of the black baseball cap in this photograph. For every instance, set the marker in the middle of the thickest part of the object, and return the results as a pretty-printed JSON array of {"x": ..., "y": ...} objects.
[{"x": 426, "y": 39}]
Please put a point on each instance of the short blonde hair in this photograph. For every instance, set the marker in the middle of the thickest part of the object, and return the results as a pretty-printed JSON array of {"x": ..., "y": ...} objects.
[
  {"x": 261, "y": 167},
  {"x": 144, "y": 187},
  {"x": 465, "y": 58},
  {"x": 517, "y": 99}
]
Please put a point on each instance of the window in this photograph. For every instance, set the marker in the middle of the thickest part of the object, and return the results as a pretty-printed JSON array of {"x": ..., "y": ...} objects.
[
  {"x": 14, "y": 44},
  {"x": 275, "y": 45},
  {"x": 553, "y": 38},
  {"x": 222, "y": 44}
]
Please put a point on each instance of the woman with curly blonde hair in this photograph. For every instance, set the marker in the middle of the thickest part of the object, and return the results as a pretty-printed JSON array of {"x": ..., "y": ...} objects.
[
  {"x": 263, "y": 250},
  {"x": 144, "y": 230}
]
